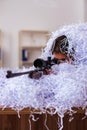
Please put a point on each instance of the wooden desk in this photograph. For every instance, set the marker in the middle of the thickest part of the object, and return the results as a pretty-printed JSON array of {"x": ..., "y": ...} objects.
[{"x": 9, "y": 120}]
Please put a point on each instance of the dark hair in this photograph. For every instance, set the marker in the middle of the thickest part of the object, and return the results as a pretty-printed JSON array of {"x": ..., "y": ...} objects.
[{"x": 60, "y": 45}]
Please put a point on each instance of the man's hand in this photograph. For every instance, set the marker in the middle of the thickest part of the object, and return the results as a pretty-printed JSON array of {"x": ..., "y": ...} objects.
[{"x": 36, "y": 74}]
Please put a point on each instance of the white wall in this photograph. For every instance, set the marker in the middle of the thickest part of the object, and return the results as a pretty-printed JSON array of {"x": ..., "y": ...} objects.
[
  {"x": 16, "y": 15},
  {"x": 85, "y": 10}
]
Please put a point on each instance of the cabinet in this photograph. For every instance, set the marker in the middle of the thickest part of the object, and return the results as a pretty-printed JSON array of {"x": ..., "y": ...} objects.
[
  {"x": 0, "y": 49},
  {"x": 31, "y": 44}
]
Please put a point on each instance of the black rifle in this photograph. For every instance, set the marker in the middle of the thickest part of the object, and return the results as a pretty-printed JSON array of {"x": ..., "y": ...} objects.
[{"x": 41, "y": 67}]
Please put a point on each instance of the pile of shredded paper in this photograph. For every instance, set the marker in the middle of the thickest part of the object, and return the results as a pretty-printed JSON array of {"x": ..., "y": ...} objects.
[{"x": 62, "y": 90}]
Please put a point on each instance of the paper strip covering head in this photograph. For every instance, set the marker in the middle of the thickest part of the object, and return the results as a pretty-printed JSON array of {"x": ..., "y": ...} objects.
[
  {"x": 60, "y": 45},
  {"x": 60, "y": 48}
]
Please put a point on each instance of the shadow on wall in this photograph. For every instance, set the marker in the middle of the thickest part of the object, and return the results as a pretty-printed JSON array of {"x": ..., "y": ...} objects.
[{"x": 6, "y": 49}]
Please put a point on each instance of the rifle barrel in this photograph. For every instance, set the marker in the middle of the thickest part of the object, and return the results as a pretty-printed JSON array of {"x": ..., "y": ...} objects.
[{"x": 10, "y": 74}]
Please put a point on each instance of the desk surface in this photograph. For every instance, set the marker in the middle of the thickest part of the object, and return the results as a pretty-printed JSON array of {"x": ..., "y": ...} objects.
[{"x": 10, "y": 111}]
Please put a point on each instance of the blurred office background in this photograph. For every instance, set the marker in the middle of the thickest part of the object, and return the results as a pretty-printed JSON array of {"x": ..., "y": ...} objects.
[{"x": 50, "y": 15}]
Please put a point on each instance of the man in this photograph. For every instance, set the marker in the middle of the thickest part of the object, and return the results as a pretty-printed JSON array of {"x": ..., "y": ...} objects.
[
  {"x": 60, "y": 49},
  {"x": 60, "y": 52}
]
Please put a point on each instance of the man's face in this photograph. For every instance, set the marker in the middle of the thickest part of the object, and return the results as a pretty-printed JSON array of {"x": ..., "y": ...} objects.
[{"x": 59, "y": 56}]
